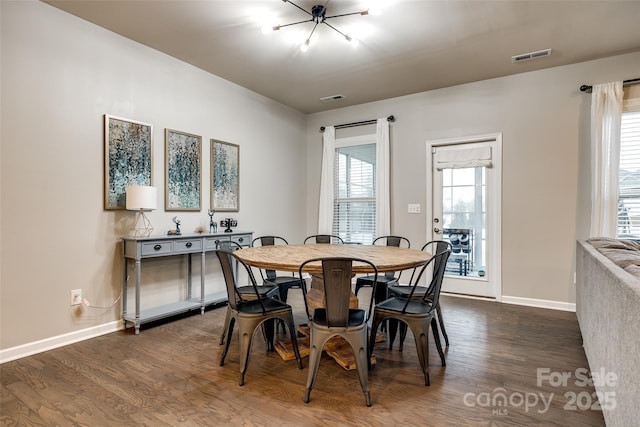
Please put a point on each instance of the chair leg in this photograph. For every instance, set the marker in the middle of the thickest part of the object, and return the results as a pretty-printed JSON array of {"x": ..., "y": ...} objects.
[
  {"x": 436, "y": 339},
  {"x": 245, "y": 337},
  {"x": 294, "y": 340},
  {"x": 315, "y": 354},
  {"x": 232, "y": 321},
  {"x": 392, "y": 329},
  {"x": 362, "y": 363},
  {"x": 227, "y": 317},
  {"x": 403, "y": 334},
  {"x": 421, "y": 333},
  {"x": 372, "y": 340},
  {"x": 442, "y": 329}
]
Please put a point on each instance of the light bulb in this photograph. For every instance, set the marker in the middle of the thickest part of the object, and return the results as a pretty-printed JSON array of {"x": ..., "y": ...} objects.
[{"x": 305, "y": 46}]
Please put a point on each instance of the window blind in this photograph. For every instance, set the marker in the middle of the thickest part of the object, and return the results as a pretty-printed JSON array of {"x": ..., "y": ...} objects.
[
  {"x": 629, "y": 178},
  {"x": 354, "y": 208}
]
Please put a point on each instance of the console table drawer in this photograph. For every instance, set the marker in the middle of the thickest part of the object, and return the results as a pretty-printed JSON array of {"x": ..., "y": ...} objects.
[
  {"x": 186, "y": 246},
  {"x": 211, "y": 243},
  {"x": 157, "y": 248},
  {"x": 242, "y": 239}
]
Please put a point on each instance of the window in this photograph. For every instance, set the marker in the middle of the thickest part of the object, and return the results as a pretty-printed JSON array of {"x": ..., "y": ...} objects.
[
  {"x": 629, "y": 175},
  {"x": 354, "y": 205}
]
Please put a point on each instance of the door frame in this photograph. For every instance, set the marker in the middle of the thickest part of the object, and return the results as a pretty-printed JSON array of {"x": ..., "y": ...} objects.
[{"x": 494, "y": 201}]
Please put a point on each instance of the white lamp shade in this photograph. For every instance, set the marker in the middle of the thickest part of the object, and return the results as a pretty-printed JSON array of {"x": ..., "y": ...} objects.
[{"x": 141, "y": 197}]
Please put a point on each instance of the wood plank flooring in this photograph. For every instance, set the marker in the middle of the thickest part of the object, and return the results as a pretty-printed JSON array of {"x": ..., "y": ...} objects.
[{"x": 170, "y": 375}]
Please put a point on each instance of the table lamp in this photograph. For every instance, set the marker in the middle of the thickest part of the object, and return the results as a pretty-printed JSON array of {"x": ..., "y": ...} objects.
[{"x": 141, "y": 198}]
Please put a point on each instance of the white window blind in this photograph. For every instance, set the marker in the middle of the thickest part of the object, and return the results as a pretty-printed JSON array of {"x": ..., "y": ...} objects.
[
  {"x": 629, "y": 184},
  {"x": 354, "y": 208}
]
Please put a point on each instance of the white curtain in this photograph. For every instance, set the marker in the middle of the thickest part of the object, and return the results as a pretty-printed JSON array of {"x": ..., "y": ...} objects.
[
  {"x": 325, "y": 207},
  {"x": 383, "y": 215},
  {"x": 606, "y": 114}
]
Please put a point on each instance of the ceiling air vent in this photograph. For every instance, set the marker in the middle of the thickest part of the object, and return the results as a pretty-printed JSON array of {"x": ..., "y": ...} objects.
[
  {"x": 332, "y": 98},
  {"x": 531, "y": 55}
]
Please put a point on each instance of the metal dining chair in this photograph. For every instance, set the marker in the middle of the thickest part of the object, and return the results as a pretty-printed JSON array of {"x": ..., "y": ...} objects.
[
  {"x": 251, "y": 313},
  {"x": 271, "y": 277},
  {"x": 248, "y": 291},
  {"x": 418, "y": 314},
  {"x": 403, "y": 290},
  {"x": 337, "y": 319},
  {"x": 384, "y": 280}
]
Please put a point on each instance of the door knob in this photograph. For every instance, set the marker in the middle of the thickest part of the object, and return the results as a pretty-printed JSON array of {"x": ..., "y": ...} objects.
[{"x": 437, "y": 230}]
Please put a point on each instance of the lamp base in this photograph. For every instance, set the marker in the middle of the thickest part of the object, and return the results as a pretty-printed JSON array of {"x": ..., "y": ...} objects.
[{"x": 142, "y": 226}]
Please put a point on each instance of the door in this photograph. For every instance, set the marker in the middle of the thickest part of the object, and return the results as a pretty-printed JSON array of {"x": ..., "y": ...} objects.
[{"x": 465, "y": 196}]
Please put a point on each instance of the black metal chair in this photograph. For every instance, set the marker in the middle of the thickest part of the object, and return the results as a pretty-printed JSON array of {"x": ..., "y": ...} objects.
[
  {"x": 271, "y": 277},
  {"x": 417, "y": 314},
  {"x": 384, "y": 280},
  {"x": 248, "y": 291},
  {"x": 403, "y": 290},
  {"x": 337, "y": 319},
  {"x": 323, "y": 238},
  {"x": 251, "y": 313}
]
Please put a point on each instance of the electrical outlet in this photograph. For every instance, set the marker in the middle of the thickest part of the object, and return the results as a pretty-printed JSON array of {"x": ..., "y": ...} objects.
[
  {"x": 413, "y": 208},
  {"x": 76, "y": 296}
]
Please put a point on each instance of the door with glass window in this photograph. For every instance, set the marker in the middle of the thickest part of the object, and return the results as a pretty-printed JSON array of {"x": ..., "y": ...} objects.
[{"x": 465, "y": 200}]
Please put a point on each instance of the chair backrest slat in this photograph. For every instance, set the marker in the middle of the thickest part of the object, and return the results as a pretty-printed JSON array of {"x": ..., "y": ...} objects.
[
  {"x": 323, "y": 238},
  {"x": 337, "y": 273}
]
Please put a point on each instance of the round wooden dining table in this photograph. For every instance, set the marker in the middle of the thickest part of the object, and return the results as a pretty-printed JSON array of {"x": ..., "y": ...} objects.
[{"x": 290, "y": 257}]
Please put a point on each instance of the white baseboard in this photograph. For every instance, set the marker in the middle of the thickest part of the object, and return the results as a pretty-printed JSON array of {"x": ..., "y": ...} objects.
[
  {"x": 540, "y": 303},
  {"x": 529, "y": 302},
  {"x": 46, "y": 344}
]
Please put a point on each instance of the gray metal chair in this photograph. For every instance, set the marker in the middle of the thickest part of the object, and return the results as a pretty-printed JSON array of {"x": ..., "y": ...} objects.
[
  {"x": 271, "y": 277},
  {"x": 324, "y": 238},
  {"x": 337, "y": 319},
  {"x": 403, "y": 290},
  {"x": 247, "y": 291},
  {"x": 417, "y": 314},
  {"x": 387, "y": 279},
  {"x": 251, "y": 313}
]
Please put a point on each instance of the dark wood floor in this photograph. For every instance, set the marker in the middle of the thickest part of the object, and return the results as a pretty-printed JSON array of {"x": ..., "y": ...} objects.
[{"x": 169, "y": 375}]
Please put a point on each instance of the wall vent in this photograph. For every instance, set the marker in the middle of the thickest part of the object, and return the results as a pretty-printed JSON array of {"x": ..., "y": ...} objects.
[
  {"x": 332, "y": 98},
  {"x": 531, "y": 55}
]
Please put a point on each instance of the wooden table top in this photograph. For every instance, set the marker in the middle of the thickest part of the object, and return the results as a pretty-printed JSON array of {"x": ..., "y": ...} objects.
[{"x": 289, "y": 257}]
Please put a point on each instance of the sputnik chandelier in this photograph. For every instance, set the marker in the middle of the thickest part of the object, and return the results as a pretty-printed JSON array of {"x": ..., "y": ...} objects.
[{"x": 318, "y": 15}]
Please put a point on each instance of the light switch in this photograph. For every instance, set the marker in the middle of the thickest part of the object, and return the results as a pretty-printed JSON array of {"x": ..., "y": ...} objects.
[{"x": 413, "y": 208}]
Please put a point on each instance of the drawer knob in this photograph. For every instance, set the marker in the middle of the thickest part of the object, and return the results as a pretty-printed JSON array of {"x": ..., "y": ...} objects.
[
  {"x": 189, "y": 244},
  {"x": 157, "y": 247},
  {"x": 240, "y": 239}
]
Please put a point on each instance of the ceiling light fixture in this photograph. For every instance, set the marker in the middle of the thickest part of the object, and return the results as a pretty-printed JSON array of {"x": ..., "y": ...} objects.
[{"x": 319, "y": 16}]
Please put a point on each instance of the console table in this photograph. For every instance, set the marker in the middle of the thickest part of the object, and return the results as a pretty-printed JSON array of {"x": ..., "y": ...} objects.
[{"x": 138, "y": 248}]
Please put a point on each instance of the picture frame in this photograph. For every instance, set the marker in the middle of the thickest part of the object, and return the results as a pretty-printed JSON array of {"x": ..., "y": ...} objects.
[
  {"x": 225, "y": 176},
  {"x": 183, "y": 171},
  {"x": 128, "y": 158}
]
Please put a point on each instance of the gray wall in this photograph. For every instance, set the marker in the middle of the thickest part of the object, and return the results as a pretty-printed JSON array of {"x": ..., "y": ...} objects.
[
  {"x": 544, "y": 119},
  {"x": 60, "y": 75}
]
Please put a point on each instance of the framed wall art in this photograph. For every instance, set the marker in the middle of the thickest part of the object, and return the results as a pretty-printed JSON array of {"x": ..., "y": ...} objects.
[
  {"x": 225, "y": 173},
  {"x": 183, "y": 163},
  {"x": 128, "y": 153}
]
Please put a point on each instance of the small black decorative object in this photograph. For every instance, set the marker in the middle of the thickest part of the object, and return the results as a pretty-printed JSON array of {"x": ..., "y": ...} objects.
[{"x": 228, "y": 222}]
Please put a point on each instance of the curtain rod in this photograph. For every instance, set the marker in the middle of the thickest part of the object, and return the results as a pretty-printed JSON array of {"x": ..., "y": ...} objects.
[
  {"x": 362, "y": 123},
  {"x": 587, "y": 88}
]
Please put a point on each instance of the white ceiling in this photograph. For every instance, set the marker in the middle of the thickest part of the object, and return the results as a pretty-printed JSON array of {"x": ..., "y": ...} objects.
[{"x": 413, "y": 46}]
